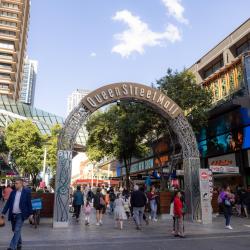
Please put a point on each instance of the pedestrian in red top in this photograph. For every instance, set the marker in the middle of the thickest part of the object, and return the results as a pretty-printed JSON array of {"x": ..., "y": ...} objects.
[{"x": 178, "y": 213}]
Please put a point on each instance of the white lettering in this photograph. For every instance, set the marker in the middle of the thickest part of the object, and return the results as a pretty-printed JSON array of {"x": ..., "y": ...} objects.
[
  {"x": 111, "y": 94},
  {"x": 161, "y": 99},
  {"x": 117, "y": 91},
  {"x": 148, "y": 94},
  {"x": 131, "y": 89},
  {"x": 171, "y": 107},
  {"x": 142, "y": 92},
  {"x": 91, "y": 102},
  {"x": 136, "y": 88},
  {"x": 166, "y": 104},
  {"x": 154, "y": 96},
  {"x": 124, "y": 87},
  {"x": 98, "y": 98},
  {"x": 175, "y": 111},
  {"x": 104, "y": 95}
]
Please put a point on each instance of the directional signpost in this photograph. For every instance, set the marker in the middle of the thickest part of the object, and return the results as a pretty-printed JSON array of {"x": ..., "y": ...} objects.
[{"x": 206, "y": 189}]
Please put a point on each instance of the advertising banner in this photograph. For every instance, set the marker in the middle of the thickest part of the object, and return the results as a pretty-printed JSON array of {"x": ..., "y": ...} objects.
[{"x": 223, "y": 164}]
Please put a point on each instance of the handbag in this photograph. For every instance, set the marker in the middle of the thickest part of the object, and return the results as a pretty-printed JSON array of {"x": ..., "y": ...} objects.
[
  {"x": 102, "y": 202},
  {"x": 2, "y": 221},
  {"x": 227, "y": 203}
]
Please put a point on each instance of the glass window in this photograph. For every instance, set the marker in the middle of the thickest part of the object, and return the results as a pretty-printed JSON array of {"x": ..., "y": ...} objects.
[
  {"x": 213, "y": 68},
  {"x": 243, "y": 48},
  {"x": 7, "y": 23}
]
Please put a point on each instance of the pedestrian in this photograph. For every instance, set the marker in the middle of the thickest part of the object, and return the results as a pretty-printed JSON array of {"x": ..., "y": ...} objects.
[
  {"x": 127, "y": 206},
  {"x": 112, "y": 198},
  {"x": 228, "y": 200},
  {"x": 87, "y": 212},
  {"x": 99, "y": 205},
  {"x": 152, "y": 196},
  {"x": 20, "y": 208},
  {"x": 119, "y": 211},
  {"x": 1, "y": 193},
  {"x": 6, "y": 193},
  {"x": 178, "y": 213},
  {"x": 138, "y": 202},
  {"x": 172, "y": 213},
  {"x": 78, "y": 202}
]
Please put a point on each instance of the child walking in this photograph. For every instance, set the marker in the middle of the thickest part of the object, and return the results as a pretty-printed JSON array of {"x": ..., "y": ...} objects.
[
  {"x": 87, "y": 212},
  {"x": 119, "y": 211}
]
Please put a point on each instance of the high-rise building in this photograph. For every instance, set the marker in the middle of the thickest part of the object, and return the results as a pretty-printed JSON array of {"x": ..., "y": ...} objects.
[
  {"x": 14, "y": 20},
  {"x": 29, "y": 81},
  {"x": 74, "y": 99}
]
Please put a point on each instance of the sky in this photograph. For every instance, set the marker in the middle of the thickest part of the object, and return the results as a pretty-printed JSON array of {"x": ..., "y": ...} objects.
[{"x": 85, "y": 44}]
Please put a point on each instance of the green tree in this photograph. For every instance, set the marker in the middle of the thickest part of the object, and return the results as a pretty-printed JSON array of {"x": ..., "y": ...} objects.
[
  {"x": 194, "y": 99},
  {"x": 120, "y": 133},
  {"x": 24, "y": 140},
  {"x": 51, "y": 146}
]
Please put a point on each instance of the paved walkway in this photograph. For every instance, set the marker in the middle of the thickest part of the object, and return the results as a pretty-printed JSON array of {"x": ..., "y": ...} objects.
[{"x": 78, "y": 234}]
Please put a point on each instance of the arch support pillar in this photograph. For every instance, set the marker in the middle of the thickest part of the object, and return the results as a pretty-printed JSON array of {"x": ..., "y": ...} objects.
[{"x": 62, "y": 187}]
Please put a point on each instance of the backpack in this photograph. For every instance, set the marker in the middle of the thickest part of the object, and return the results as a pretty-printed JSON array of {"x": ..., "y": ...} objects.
[{"x": 112, "y": 197}]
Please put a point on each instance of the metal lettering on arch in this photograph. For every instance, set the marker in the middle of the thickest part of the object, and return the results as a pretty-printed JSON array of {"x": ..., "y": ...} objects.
[{"x": 135, "y": 92}]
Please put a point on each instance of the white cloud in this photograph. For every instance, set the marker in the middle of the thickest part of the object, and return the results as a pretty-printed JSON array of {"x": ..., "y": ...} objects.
[
  {"x": 139, "y": 35},
  {"x": 175, "y": 9},
  {"x": 93, "y": 54}
]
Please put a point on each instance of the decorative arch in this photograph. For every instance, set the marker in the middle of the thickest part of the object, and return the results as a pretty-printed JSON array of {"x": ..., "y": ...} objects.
[{"x": 135, "y": 92}]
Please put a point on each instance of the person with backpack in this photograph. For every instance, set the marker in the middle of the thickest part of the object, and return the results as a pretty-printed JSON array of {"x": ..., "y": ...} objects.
[
  {"x": 78, "y": 202},
  {"x": 112, "y": 198},
  {"x": 99, "y": 205}
]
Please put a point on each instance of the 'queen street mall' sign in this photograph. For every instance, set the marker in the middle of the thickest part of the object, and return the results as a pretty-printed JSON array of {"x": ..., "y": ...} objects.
[{"x": 133, "y": 91}]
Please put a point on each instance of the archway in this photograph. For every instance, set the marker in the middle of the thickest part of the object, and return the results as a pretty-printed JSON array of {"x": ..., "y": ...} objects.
[{"x": 137, "y": 93}]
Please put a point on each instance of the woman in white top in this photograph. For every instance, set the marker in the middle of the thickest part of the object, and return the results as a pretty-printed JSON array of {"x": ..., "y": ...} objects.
[{"x": 119, "y": 211}]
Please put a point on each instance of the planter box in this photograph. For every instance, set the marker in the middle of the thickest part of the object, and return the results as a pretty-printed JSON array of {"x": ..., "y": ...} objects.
[
  {"x": 165, "y": 199},
  {"x": 47, "y": 203}
]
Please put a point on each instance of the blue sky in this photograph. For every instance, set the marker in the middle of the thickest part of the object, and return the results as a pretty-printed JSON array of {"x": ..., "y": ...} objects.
[{"x": 88, "y": 43}]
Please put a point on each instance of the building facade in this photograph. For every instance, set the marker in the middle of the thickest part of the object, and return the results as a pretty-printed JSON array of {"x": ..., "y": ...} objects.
[
  {"x": 14, "y": 20},
  {"x": 27, "y": 93},
  {"x": 225, "y": 143},
  {"x": 74, "y": 99}
]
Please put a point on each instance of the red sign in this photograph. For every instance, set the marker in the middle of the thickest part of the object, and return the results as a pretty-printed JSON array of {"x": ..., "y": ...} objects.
[{"x": 204, "y": 175}]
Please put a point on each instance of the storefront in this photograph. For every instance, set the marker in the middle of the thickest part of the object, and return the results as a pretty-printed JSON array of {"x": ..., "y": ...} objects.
[{"x": 224, "y": 147}]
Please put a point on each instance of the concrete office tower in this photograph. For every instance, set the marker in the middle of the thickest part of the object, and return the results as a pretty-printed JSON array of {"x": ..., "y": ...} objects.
[
  {"x": 74, "y": 99},
  {"x": 29, "y": 81},
  {"x": 14, "y": 21}
]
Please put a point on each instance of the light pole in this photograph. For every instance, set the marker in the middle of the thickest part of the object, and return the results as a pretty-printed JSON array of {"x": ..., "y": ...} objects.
[{"x": 44, "y": 163}]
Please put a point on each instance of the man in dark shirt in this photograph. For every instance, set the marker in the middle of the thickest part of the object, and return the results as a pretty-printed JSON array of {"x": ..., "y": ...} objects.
[{"x": 138, "y": 202}]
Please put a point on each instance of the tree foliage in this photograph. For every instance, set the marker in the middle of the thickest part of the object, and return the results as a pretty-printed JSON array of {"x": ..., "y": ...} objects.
[
  {"x": 119, "y": 132},
  {"x": 195, "y": 100},
  {"x": 24, "y": 140},
  {"x": 51, "y": 146}
]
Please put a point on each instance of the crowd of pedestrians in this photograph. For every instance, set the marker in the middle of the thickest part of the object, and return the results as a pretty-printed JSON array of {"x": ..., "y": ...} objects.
[{"x": 126, "y": 205}]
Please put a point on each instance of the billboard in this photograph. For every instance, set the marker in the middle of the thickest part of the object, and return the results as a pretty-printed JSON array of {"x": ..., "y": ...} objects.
[{"x": 223, "y": 164}]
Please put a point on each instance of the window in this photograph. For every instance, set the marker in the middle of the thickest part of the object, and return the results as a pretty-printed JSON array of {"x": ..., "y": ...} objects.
[
  {"x": 10, "y": 5},
  {"x": 6, "y": 56},
  {"x": 5, "y": 66},
  {"x": 7, "y": 23},
  {"x": 8, "y": 14},
  {"x": 4, "y": 86},
  {"x": 4, "y": 75},
  {"x": 243, "y": 48},
  {"x": 7, "y": 32},
  {"x": 6, "y": 44},
  {"x": 213, "y": 68}
]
